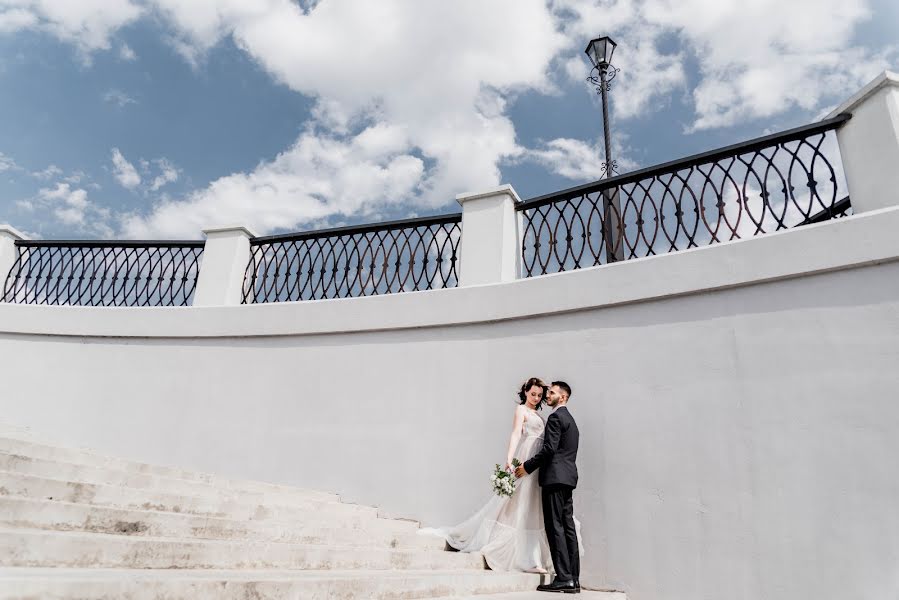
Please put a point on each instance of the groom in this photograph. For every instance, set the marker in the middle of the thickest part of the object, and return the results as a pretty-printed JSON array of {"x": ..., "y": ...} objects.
[{"x": 558, "y": 478}]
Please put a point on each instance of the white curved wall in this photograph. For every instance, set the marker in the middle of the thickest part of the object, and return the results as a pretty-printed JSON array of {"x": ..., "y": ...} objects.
[{"x": 737, "y": 403}]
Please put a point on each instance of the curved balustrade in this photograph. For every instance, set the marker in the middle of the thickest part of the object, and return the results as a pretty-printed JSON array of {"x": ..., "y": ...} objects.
[
  {"x": 104, "y": 273},
  {"x": 385, "y": 258},
  {"x": 767, "y": 184}
]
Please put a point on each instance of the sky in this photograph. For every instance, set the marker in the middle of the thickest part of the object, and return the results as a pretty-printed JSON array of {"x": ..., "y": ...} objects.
[{"x": 155, "y": 119}]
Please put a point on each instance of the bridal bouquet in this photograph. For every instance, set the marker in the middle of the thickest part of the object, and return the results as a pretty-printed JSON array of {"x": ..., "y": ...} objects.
[{"x": 504, "y": 481}]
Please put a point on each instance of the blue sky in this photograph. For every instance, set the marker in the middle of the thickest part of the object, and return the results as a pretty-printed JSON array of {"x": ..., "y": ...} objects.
[{"x": 156, "y": 118}]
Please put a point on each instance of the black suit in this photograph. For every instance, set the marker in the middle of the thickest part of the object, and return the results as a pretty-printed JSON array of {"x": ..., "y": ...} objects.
[{"x": 558, "y": 478}]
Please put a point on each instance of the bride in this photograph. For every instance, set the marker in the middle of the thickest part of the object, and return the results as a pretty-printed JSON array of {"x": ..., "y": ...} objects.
[{"x": 508, "y": 530}]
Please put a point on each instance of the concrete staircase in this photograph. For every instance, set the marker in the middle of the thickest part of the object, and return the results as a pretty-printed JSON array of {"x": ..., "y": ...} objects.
[{"x": 74, "y": 524}]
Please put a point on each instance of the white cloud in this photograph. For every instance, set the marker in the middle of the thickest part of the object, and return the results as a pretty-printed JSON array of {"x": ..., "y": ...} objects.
[
  {"x": 578, "y": 160},
  {"x": 126, "y": 53},
  {"x": 426, "y": 100},
  {"x": 124, "y": 171},
  {"x": 50, "y": 172},
  {"x": 69, "y": 205},
  {"x": 75, "y": 177},
  {"x": 751, "y": 65},
  {"x": 755, "y": 66},
  {"x": 14, "y": 19},
  {"x": 7, "y": 163},
  {"x": 86, "y": 23},
  {"x": 316, "y": 178},
  {"x": 168, "y": 173},
  {"x": 648, "y": 77},
  {"x": 570, "y": 158},
  {"x": 118, "y": 97}
]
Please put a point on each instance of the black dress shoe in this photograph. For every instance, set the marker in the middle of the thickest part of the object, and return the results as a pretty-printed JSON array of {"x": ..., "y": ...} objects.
[
  {"x": 561, "y": 587},
  {"x": 577, "y": 586}
]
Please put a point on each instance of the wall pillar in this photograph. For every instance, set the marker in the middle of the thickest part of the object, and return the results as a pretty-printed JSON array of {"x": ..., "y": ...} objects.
[
  {"x": 490, "y": 246},
  {"x": 225, "y": 259},
  {"x": 8, "y": 252},
  {"x": 869, "y": 144}
]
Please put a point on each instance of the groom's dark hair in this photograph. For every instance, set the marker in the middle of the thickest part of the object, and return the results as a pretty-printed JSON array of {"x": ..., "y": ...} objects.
[{"x": 565, "y": 388}]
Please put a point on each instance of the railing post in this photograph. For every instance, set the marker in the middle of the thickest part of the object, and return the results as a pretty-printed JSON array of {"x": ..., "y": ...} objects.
[
  {"x": 612, "y": 230},
  {"x": 869, "y": 144},
  {"x": 225, "y": 260},
  {"x": 8, "y": 253},
  {"x": 490, "y": 245}
]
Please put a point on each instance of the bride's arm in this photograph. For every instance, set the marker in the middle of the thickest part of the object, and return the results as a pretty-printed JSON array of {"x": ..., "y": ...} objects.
[{"x": 517, "y": 424}]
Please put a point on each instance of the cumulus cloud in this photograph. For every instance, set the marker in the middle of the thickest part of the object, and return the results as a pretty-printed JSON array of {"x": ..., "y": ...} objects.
[
  {"x": 750, "y": 65},
  {"x": 14, "y": 19},
  {"x": 316, "y": 178},
  {"x": 69, "y": 204},
  {"x": 443, "y": 76},
  {"x": 124, "y": 171},
  {"x": 570, "y": 158},
  {"x": 86, "y": 23},
  {"x": 415, "y": 118},
  {"x": 578, "y": 160}
]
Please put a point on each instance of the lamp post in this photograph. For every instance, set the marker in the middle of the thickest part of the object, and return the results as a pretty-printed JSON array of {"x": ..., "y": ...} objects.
[{"x": 600, "y": 51}]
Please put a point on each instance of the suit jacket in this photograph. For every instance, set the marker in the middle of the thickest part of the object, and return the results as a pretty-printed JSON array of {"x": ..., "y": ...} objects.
[{"x": 556, "y": 459}]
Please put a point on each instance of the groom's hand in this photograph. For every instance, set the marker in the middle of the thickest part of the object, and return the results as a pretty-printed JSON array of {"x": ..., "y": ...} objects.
[{"x": 520, "y": 472}]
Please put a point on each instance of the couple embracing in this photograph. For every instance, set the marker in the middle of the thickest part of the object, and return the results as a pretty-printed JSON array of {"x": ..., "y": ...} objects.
[{"x": 534, "y": 529}]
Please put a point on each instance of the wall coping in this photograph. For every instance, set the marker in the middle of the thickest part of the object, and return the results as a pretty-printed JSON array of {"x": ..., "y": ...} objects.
[
  {"x": 885, "y": 79},
  {"x": 229, "y": 230},
  {"x": 505, "y": 188},
  {"x": 12, "y": 231},
  {"x": 860, "y": 240}
]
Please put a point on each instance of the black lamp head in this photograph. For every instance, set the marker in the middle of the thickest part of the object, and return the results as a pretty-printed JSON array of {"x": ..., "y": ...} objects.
[{"x": 600, "y": 51}]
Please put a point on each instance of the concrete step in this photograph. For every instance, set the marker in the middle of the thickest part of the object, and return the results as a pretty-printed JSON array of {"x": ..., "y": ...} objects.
[
  {"x": 55, "y": 469},
  {"x": 15, "y": 441},
  {"x": 127, "y": 584},
  {"x": 29, "y": 548},
  {"x": 56, "y": 515},
  {"x": 17, "y": 484}
]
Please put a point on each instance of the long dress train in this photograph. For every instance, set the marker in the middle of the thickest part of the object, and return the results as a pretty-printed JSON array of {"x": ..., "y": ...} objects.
[{"x": 509, "y": 531}]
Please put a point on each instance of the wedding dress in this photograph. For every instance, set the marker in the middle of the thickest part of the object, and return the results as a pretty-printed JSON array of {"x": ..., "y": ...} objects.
[{"x": 508, "y": 530}]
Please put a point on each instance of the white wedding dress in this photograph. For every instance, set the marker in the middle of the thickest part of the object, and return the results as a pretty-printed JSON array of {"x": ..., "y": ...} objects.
[{"x": 508, "y": 530}]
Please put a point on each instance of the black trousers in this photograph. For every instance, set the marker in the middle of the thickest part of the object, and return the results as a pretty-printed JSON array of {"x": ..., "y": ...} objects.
[{"x": 558, "y": 518}]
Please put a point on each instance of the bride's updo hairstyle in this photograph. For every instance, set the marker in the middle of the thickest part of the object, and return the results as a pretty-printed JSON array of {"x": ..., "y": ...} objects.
[{"x": 522, "y": 393}]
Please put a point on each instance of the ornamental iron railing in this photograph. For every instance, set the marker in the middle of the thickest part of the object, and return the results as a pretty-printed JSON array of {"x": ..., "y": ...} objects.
[
  {"x": 104, "y": 273},
  {"x": 840, "y": 209},
  {"x": 767, "y": 184},
  {"x": 367, "y": 260}
]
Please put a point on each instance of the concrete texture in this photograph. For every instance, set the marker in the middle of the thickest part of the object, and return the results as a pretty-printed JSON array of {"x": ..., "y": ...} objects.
[
  {"x": 79, "y": 544},
  {"x": 131, "y": 584}
]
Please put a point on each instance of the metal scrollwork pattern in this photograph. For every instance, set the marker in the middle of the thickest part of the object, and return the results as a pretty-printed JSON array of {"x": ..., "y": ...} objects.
[
  {"x": 768, "y": 184},
  {"x": 104, "y": 273},
  {"x": 387, "y": 258}
]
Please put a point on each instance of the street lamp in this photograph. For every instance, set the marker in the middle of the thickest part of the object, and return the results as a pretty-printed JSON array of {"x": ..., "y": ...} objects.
[{"x": 600, "y": 51}]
